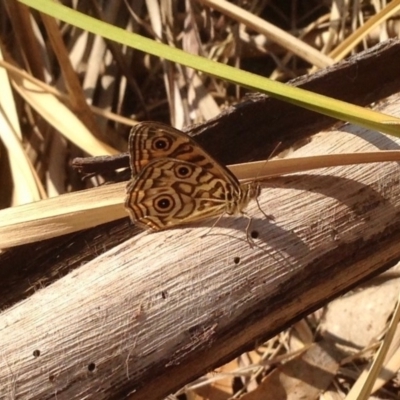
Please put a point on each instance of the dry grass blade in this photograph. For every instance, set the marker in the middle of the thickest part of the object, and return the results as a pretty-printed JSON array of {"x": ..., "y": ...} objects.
[
  {"x": 61, "y": 215},
  {"x": 302, "y": 377},
  {"x": 27, "y": 186},
  {"x": 75, "y": 211},
  {"x": 60, "y": 117},
  {"x": 347, "y": 45},
  {"x": 77, "y": 99},
  {"x": 364, "y": 385},
  {"x": 270, "y": 168},
  {"x": 274, "y": 33},
  {"x": 201, "y": 104},
  {"x": 391, "y": 364},
  {"x": 44, "y": 87}
]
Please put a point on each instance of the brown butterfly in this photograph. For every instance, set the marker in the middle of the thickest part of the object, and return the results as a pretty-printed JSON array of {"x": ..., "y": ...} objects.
[{"x": 175, "y": 181}]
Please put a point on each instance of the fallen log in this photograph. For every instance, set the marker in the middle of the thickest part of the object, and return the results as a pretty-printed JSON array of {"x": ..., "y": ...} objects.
[{"x": 155, "y": 311}]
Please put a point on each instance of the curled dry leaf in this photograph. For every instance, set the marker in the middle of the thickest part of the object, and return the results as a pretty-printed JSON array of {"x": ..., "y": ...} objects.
[{"x": 303, "y": 377}]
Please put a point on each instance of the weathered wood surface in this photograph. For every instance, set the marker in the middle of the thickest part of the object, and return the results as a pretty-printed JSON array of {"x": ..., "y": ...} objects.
[{"x": 156, "y": 311}]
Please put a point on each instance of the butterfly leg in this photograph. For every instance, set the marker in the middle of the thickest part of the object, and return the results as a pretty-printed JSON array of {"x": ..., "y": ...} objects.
[
  {"x": 249, "y": 234},
  {"x": 213, "y": 225},
  {"x": 269, "y": 217}
]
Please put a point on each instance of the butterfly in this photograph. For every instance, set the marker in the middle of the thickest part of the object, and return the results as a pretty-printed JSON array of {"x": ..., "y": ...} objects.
[{"x": 175, "y": 181}]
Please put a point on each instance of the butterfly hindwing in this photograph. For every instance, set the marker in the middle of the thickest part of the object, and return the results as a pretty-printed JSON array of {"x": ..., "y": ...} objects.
[{"x": 169, "y": 192}]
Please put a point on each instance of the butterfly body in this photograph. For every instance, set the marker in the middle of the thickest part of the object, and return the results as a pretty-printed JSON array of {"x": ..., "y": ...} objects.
[{"x": 176, "y": 182}]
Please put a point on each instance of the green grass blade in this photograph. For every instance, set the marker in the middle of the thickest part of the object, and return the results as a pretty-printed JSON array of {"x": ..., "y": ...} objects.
[{"x": 300, "y": 97}]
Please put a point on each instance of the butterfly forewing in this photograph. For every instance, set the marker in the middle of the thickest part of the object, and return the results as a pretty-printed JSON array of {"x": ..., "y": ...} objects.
[
  {"x": 170, "y": 192},
  {"x": 152, "y": 140}
]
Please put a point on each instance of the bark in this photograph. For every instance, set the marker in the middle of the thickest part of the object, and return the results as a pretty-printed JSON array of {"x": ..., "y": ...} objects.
[{"x": 155, "y": 311}]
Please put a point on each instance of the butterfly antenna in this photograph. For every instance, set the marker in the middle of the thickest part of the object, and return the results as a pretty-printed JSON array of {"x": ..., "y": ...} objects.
[
  {"x": 257, "y": 183},
  {"x": 273, "y": 152}
]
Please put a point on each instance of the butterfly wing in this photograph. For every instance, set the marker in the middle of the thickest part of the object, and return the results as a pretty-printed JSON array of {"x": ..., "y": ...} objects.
[
  {"x": 169, "y": 192},
  {"x": 152, "y": 140}
]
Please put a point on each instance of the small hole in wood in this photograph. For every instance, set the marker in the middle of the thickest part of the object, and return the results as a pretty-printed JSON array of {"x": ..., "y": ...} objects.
[
  {"x": 164, "y": 294},
  {"x": 91, "y": 367},
  {"x": 236, "y": 260},
  {"x": 52, "y": 378},
  {"x": 36, "y": 353},
  {"x": 254, "y": 234}
]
